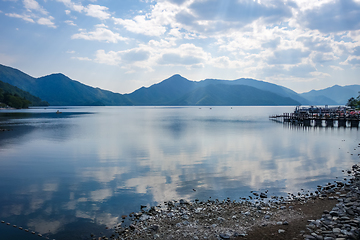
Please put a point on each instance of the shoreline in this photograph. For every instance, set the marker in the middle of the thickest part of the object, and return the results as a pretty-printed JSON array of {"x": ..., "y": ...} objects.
[{"x": 332, "y": 213}]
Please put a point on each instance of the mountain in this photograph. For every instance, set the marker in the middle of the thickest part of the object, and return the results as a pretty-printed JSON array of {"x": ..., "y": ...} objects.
[
  {"x": 58, "y": 89},
  {"x": 162, "y": 93},
  {"x": 61, "y": 90},
  {"x": 176, "y": 89},
  {"x": 335, "y": 95},
  {"x": 265, "y": 86},
  {"x": 8, "y": 88},
  {"x": 234, "y": 95}
]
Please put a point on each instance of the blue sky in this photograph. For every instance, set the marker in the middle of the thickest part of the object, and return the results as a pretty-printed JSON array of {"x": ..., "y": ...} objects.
[{"x": 122, "y": 45}]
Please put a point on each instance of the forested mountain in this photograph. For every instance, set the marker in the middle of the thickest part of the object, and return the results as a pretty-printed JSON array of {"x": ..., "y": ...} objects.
[
  {"x": 58, "y": 89},
  {"x": 178, "y": 91},
  {"x": 15, "y": 97},
  {"x": 335, "y": 95}
]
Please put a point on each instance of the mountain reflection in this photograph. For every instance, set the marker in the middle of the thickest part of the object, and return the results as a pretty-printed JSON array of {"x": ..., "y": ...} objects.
[{"x": 88, "y": 170}]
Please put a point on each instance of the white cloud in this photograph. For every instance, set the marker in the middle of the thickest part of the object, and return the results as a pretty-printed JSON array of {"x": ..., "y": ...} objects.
[
  {"x": 110, "y": 58},
  {"x": 130, "y": 56},
  {"x": 67, "y": 12},
  {"x": 184, "y": 55},
  {"x": 70, "y": 22},
  {"x": 142, "y": 26},
  {"x": 24, "y": 16},
  {"x": 352, "y": 60},
  {"x": 73, "y": 6},
  {"x": 46, "y": 21},
  {"x": 337, "y": 68},
  {"x": 82, "y": 58},
  {"x": 320, "y": 74},
  {"x": 34, "y": 5},
  {"x": 97, "y": 11},
  {"x": 101, "y": 33}
]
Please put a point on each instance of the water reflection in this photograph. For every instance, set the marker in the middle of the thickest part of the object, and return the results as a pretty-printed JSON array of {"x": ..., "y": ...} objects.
[{"x": 86, "y": 170}]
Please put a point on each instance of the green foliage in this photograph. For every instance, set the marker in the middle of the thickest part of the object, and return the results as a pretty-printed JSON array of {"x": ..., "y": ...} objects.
[
  {"x": 18, "y": 93},
  {"x": 354, "y": 102},
  {"x": 14, "y": 101}
]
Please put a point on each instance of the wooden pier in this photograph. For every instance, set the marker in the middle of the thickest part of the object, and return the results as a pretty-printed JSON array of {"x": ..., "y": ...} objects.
[{"x": 321, "y": 117}]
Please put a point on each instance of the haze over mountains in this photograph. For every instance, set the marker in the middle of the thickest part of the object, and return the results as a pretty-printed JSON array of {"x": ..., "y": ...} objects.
[{"x": 59, "y": 90}]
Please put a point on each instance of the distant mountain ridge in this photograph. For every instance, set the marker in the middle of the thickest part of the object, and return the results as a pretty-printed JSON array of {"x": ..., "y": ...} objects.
[
  {"x": 179, "y": 91},
  {"x": 6, "y": 88},
  {"x": 335, "y": 95},
  {"x": 58, "y": 89}
]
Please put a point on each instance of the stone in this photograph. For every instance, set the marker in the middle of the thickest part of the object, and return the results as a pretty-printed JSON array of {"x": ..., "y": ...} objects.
[
  {"x": 144, "y": 217},
  {"x": 186, "y": 217},
  {"x": 281, "y": 231},
  {"x": 224, "y": 236},
  {"x": 263, "y": 195},
  {"x": 155, "y": 228},
  {"x": 334, "y": 213},
  {"x": 183, "y": 201}
]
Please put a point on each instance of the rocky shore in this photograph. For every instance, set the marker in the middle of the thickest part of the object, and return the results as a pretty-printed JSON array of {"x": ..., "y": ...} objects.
[{"x": 330, "y": 213}]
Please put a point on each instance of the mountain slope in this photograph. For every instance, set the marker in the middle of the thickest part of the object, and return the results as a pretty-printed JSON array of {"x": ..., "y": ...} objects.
[
  {"x": 57, "y": 89},
  {"x": 170, "y": 90},
  {"x": 270, "y": 87},
  {"x": 8, "y": 88},
  {"x": 338, "y": 94},
  {"x": 61, "y": 90},
  {"x": 162, "y": 93},
  {"x": 235, "y": 95}
]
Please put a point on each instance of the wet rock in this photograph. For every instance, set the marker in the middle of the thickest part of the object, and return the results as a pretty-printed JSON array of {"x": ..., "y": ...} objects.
[
  {"x": 144, "y": 217},
  {"x": 263, "y": 195},
  {"x": 154, "y": 228},
  {"x": 224, "y": 236}
]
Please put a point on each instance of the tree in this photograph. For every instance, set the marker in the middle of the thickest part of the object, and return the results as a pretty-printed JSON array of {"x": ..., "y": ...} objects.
[
  {"x": 354, "y": 102},
  {"x": 14, "y": 100}
]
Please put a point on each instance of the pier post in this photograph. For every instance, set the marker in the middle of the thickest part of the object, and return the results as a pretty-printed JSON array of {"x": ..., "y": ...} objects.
[
  {"x": 329, "y": 122},
  {"x": 354, "y": 123},
  {"x": 341, "y": 122},
  {"x": 307, "y": 122},
  {"x": 318, "y": 122}
]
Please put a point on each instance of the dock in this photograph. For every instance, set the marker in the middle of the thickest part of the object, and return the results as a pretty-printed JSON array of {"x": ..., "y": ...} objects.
[{"x": 321, "y": 117}]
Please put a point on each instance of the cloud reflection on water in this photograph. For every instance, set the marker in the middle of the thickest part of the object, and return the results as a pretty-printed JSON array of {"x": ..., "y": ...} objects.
[{"x": 109, "y": 163}]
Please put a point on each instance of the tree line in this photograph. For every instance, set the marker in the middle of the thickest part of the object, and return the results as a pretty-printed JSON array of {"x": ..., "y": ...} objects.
[
  {"x": 354, "y": 102},
  {"x": 13, "y": 100}
]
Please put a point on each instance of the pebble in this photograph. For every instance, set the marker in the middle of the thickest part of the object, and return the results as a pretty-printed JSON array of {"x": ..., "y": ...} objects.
[
  {"x": 224, "y": 236},
  {"x": 226, "y": 219},
  {"x": 343, "y": 221}
]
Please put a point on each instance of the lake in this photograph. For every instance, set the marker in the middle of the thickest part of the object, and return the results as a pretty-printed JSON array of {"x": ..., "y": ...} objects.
[{"x": 71, "y": 174}]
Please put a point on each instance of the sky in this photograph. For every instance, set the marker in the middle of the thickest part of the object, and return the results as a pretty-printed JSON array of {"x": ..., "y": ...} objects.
[{"x": 122, "y": 45}]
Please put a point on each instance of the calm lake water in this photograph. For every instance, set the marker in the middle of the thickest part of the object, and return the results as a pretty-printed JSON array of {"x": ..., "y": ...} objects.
[{"x": 71, "y": 174}]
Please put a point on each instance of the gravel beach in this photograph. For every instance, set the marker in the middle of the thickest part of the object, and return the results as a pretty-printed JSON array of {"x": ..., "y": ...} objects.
[{"x": 331, "y": 213}]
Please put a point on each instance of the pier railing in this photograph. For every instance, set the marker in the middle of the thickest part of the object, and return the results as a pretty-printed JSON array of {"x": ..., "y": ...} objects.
[{"x": 322, "y": 117}]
